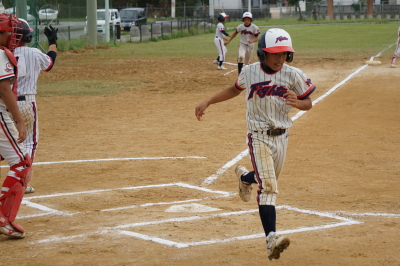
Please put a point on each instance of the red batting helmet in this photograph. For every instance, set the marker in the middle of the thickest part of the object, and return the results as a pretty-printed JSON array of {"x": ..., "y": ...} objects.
[{"x": 10, "y": 23}]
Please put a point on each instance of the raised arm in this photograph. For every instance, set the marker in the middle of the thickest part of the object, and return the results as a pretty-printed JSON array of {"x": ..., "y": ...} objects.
[{"x": 221, "y": 96}]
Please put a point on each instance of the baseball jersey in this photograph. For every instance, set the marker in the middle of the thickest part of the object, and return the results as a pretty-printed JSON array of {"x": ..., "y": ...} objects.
[
  {"x": 219, "y": 32},
  {"x": 30, "y": 62},
  {"x": 266, "y": 106},
  {"x": 247, "y": 33}
]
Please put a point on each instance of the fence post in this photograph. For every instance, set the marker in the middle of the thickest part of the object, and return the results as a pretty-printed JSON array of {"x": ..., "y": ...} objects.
[
  {"x": 151, "y": 31},
  {"x": 69, "y": 33}
]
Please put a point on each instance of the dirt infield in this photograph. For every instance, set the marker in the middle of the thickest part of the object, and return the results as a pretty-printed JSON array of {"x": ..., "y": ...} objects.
[{"x": 338, "y": 198}]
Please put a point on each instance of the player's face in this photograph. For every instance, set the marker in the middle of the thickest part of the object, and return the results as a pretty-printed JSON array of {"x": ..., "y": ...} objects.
[
  {"x": 275, "y": 61},
  {"x": 4, "y": 35},
  {"x": 247, "y": 21}
]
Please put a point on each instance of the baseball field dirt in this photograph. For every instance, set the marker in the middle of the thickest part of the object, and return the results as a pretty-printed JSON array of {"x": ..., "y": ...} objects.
[{"x": 110, "y": 166}]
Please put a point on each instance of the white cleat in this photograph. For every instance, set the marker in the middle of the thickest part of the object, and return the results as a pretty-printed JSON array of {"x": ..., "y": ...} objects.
[
  {"x": 392, "y": 66},
  {"x": 222, "y": 68},
  {"x": 215, "y": 61},
  {"x": 29, "y": 189},
  {"x": 276, "y": 244},
  {"x": 11, "y": 231},
  {"x": 244, "y": 189}
]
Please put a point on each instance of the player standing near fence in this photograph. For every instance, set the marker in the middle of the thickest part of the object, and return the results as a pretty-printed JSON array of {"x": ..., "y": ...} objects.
[
  {"x": 248, "y": 37},
  {"x": 30, "y": 62},
  {"x": 397, "y": 51},
  {"x": 219, "y": 41},
  {"x": 12, "y": 131},
  {"x": 272, "y": 89}
]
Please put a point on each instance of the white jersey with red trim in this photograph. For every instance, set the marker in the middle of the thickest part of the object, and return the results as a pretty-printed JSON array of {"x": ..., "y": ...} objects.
[
  {"x": 218, "y": 32},
  {"x": 266, "y": 106},
  {"x": 247, "y": 33},
  {"x": 30, "y": 62}
]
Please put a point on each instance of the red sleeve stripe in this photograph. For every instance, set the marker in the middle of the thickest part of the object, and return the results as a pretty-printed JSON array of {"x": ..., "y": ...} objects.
[
  {"x": 51, "y": 64},
  {"x": 307, "y": 93},
  {"x": 238, "y": 87},
  {"x": 7, "y": 76}
]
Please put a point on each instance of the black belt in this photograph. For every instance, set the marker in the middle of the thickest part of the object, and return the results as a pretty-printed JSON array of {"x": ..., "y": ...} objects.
[
  {"x": 273, "y": 132},
  {"x": 21, "y": 98}
]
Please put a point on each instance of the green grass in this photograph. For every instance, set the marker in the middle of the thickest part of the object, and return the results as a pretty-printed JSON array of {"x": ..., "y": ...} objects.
[
  {"x": 340, "y": 41},
  {"x": 346, "y": 42}
]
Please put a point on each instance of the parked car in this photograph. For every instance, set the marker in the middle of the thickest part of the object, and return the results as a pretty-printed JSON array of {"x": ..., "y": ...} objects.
[
  {"x": 133, "y": 16},
  {"x": 115, "y": 19},
  {"x": 47, "y": 15},
  {"x": 29, "y": 17}
]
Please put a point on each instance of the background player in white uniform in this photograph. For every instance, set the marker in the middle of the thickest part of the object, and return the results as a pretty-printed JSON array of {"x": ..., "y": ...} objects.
[
  {"x": 272, "y": 88},
  {"x": 30, "y": 62},
  {"x": 12, "y": 132},
  {"x": 248, "y": 36},
  {"x": 397, "y": 51},
  {"x": 219, "y": 41}
]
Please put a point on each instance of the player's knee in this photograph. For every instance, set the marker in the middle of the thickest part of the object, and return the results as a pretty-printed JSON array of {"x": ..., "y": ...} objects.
[{"x": 23, "y": 170}]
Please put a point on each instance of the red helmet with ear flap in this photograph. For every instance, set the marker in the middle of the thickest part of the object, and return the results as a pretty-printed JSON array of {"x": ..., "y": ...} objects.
[
  {"x": 275, "y": 41},
  {"x": 10, "y": 23}
]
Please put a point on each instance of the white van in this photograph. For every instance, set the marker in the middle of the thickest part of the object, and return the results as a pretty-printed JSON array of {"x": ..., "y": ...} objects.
[{"x": 115, "y": 19}]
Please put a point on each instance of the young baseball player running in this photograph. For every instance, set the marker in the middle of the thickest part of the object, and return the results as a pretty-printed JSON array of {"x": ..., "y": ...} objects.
[
  {"x": 248, "y": 37},
  {"x": 397, "y": 51},
  {"x": 30, "y": 62},
  {"x": 272, "y": 88},
  {"x": 12, "y": 132},
  {"x": 219, "y": 41}
]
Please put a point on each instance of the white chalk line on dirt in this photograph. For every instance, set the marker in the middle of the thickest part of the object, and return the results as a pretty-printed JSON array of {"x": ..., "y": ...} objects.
[
  {"x": 117, "y": 159},
  {"x": 48, "y": 211},
  {"x": 344, "y": 221},
  {"x": 220, "y": 171}
]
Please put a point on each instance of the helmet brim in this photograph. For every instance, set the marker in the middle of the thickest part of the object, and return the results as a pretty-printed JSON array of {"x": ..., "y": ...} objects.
[{"x": 279, "y": 49}]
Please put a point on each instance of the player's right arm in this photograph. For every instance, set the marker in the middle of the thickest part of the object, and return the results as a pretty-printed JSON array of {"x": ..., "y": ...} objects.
[
  {"x": 221, "y": 96},
  {"x": 232, "y": 36},
  {"x": 8, "y": 97}
]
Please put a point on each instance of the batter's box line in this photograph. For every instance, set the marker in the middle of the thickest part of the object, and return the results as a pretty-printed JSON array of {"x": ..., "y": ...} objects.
[
  {"x": 48, "y": 211},
  {"x": 115, "y": 159},
  {"x": 344, "y": 221}
]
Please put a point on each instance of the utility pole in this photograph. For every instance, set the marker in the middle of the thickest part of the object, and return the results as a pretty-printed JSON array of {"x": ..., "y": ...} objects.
[
  {"x": 21, "y": 9},
  {"x": 92, "y": 22}
]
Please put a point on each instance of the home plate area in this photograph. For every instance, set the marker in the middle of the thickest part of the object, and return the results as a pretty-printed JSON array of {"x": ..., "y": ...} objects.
[{"x": 175, "y": 214}]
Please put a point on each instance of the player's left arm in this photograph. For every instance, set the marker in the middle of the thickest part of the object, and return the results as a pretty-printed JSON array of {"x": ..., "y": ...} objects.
[{"x": 304, "y": 104}]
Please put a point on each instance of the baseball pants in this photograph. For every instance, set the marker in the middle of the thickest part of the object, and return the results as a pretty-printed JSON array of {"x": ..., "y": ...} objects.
[
  {"x": 245, "y": 53},
  {"x": 221, "y": 48},
  {"x": 28, "y": 110},
  {"x": 267, "y": 154}
]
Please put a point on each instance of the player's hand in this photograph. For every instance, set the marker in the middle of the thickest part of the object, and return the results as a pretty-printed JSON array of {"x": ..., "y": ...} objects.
[
  {"x": 226, "y": 43},
  {"x": 290, "y": 98},
  {"x": 51, "y": 34},
  {"x": 21, "y": 132},
  {"x": 200, "y": 108}
]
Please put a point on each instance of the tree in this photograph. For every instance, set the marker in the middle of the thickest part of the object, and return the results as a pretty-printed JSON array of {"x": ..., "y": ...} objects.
[{"x": 296, "y": 5}]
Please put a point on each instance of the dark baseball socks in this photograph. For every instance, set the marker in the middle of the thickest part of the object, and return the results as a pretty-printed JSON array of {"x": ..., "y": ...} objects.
[
  {"x": 249, "y": 178},
  {"x": 240, "y": 66},
  {"x": 268, "y": 218}
]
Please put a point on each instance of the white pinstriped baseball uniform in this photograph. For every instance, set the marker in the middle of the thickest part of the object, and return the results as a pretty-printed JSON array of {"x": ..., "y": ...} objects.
[
  {"x": 12, "y": 151},
  {"x": 219, "y": 41},
  {"x": 397, "y": 51},
  {"x": 30, "y": 62},
  {"x": 247, "y": 33},
  {"x": 266, "y": 109}
]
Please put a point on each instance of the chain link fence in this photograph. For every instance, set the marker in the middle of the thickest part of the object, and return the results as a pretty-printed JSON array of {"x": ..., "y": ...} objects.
[{"x": 71, "y": 19}]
